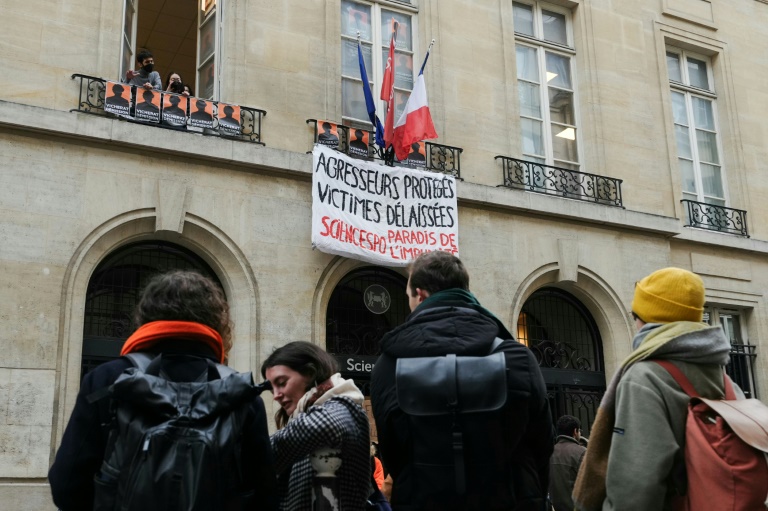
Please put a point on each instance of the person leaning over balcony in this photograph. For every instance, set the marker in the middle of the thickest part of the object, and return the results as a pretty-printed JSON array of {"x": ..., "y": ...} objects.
[
  {"x": 318, "y": 409},
  {"x": 146, "y": 76},
  {"x": 634, "y": 461}
]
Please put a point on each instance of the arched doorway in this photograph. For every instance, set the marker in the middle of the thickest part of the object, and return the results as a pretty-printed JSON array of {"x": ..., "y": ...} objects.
[
  {"x": 114, "y": 290},
  {"x": 563, "y": 336},
  {"x": 367, "y": 303}
]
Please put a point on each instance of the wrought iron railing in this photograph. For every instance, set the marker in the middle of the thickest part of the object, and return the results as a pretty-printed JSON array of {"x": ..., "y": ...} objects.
[
  {"x": 440, "y": 158},
  {"x": 716, "y": 218},
  {"x": 91, "y": 101},
  {"x": 549, "y": 180},
  {"x": 741, "y": 368},
  {"x": 444, "y": 159}
]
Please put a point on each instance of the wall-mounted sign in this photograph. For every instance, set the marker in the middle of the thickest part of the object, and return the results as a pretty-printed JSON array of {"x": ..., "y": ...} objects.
[{"x": 377, "y": 299}]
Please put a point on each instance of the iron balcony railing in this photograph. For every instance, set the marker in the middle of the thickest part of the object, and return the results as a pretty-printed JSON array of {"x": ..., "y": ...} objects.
[
  {"x": 716, "y": 218},
  {"x": 91, "y": 101},
  {"x": 549, "y": 180},
  {"x": 741, "y": 368},
  {"x": 440, "y": 158}
]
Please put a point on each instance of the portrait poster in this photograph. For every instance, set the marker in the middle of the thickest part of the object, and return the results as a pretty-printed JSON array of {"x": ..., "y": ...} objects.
[
  {"x": 147, "y": 105},
  {"x": 117, "y": 99},
  {"x": 417, "y": 156},
  {"x": 201, "y": 113},
  {"x": 328, "y": 134},
  {"x": 229, "y": 120},
  {"x": 357, "y": 18},
  {"x": 381, "y": 215},
  {"x": 359, "y": 143},
  {"x": 404, "y": 70},
  {"x": 175, "y": 108}
]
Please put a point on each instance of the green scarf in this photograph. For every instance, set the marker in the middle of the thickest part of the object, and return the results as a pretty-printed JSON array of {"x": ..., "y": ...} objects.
[{"x": 457, "y": 297}]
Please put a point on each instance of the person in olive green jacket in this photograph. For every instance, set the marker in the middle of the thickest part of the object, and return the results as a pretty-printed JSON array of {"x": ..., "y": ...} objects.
[
  {"x": 634, "y": 461},
  {"x": 565, "y": 461}
]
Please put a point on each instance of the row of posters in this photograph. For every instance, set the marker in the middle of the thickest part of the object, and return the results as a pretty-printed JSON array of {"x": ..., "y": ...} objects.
[
  {"x": 171, "y": 109},
  {"x": 360, "y": 143}
]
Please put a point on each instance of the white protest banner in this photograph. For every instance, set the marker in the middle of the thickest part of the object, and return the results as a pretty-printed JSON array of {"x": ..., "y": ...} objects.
[{"x": 382, "y": 215}]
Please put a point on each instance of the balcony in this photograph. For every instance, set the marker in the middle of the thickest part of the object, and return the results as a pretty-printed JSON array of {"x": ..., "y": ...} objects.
[
  {"x": 715, "y": 218},
  {"x": 571, "y": 184},
  {"x": 91, "y": 101},
  {"x": 443, "y": 159}
]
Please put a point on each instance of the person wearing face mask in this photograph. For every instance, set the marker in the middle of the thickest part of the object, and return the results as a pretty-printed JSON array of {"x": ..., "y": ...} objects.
[
  {"x": 146, "y": 76},
  {"x": 318, "y": 408}
]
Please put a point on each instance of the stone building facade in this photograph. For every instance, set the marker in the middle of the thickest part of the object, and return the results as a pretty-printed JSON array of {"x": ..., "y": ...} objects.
[{"x": 660, "y": 105}]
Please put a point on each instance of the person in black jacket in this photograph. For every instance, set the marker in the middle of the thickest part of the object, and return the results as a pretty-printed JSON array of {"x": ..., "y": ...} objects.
[
  {"x": 506, "y": 452},
  {"x": 185, "y": 317}
]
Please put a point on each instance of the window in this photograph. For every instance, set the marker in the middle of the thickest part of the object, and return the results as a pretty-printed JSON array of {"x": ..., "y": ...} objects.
[
  {"x": 695, "y": 118},
  {"x": 544, "y": 52},
  {"x": 741, "y": 368},
  {"x": 375, "y": 23},
  {"x": 183, "y": 36}
]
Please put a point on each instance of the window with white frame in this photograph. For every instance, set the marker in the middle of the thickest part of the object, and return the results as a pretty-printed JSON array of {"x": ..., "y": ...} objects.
[
  {"x": 544, "y": 52},
  {"x": 695, "y": 117},
  {"x": 741, "y": 367},
  {"x": 375, "y": 22}
]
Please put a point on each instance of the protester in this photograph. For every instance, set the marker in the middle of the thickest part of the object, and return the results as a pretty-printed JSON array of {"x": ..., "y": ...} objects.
[
  {"x": 565, "y": 461},
  {"x": 639, "y": 431},
  {"x": 318, "y": 408},
  {"x": 506, "y": 454},
  {"x": 184, "y": 317},
  {"x": 146, "y": 76},
  {"x": 174, "y": 83}
]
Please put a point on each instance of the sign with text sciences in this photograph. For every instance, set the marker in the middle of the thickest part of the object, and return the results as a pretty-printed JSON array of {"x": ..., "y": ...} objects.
[{"x": 378, "y": 214}]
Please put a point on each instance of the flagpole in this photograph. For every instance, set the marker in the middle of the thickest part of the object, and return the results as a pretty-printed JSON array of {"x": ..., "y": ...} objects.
[{"x": 421, "y": 71}]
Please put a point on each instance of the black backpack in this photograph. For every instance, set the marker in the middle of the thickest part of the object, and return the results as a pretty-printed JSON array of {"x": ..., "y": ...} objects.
[
  {"x": 175, "y": 446},
  {"x": 454, "y": 408}
]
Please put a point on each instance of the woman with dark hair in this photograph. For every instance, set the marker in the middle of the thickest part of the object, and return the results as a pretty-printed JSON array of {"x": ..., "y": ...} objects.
[
  {"x": 184, "y": 317},
  {"x": 173, "y": 83},
  {"x": 318, "y": 408}
]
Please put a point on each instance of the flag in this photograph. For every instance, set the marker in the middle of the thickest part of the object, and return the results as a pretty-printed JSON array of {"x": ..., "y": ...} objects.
[
  {"x": 388, "y": 89},
  {"x": 415, "y": 124},
  {"x": 370, "y": 105}
]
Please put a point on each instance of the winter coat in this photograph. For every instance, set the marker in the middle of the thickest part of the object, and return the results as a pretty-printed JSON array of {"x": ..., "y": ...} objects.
[
  {"x": 85, "y": 438},
  {"x": 563, "y": 467},
  {"x": 339, "y": 422},
  {"x": 509, "y": 468},
  {"x": 646, "y": 466}
]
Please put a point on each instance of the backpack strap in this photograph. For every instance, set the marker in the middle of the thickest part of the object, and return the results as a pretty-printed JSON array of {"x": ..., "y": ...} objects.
[
  {"x": 686, "y": 385},
  {"x": 496, "y": 343}
]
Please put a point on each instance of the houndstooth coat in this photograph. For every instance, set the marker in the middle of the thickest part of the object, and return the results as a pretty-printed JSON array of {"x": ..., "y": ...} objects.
[{"x": 339, "y": 422}]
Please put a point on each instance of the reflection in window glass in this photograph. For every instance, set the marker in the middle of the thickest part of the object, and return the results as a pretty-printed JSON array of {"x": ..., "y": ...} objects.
[
  {"x": 564, "y": 143},
  {"x": 558, "y": 70},
  {"x": 356, "y": 17},
  {"x": 523, "y": 19},
  {"x": 697, "y": 73},
  {"x": 350, "y": 65},
  {"x": 711, "y": 180},
  {"x": 702, "y": 113},
  {"x": 673, "y": 67},
  {"x": 403, "y": 39},
  {"x": 530, "y": 101},
  {"x": 206, "y": 79},
  {"x": 527, "y": 63},
  {"x": 561, "y": 106},
  {"x": 207, "y": 39},
  {"x": 707, "y": 144},
  {"x": 679, "y": 111},
  {"x": 683, "y": 142},
  {"x": 354, "y": 100},
  {"x": 531, "y": 133},
  {"x": 554, "y": 27}
]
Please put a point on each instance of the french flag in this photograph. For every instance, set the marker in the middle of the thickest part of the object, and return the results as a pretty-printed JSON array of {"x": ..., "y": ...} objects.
[{"x": 415, "y": 124}]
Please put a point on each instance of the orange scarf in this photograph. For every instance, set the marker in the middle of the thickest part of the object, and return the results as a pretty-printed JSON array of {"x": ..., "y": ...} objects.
[{"x": 150, "y": 333}]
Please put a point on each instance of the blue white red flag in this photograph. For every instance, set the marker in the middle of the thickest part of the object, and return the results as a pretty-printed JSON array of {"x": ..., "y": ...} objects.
[{"x": 415, "y": 124}]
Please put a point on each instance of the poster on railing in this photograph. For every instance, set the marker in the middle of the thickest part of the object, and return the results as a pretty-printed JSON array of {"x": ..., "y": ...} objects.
[
  {"x": 229, "y": 120},
  {"x": 382, "y": 215},
  {"x": 358, "y": 143},
  {"x": 328, "y": 134},
  {"x": 147, "y": 105},
  {"x": 175, "y": 109},
  {"x": 417, "y": 156},
  {"x": 201, "y": 113},
  {"x": 117, "y": 99}
]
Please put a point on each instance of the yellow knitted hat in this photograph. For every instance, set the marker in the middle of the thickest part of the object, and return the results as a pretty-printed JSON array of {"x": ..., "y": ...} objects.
[{"x": 668, "y": 295}]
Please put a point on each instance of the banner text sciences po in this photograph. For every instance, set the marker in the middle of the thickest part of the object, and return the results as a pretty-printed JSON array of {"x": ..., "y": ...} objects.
[{"x": 378, "y": 214}]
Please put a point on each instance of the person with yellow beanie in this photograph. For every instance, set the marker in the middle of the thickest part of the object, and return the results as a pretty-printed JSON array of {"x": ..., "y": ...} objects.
[{"x": 634, "y": 461}]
